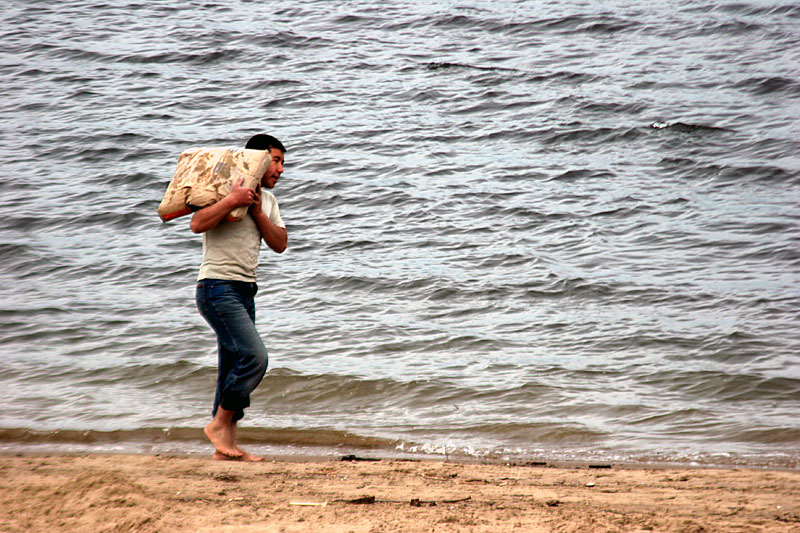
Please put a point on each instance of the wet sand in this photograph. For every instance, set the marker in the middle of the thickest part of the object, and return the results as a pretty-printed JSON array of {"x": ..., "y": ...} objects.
[{"x": 170, "y": 493}]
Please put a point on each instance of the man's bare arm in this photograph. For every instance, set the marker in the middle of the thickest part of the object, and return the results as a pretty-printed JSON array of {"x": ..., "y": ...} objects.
[
  {"x": 274, "y": 235},
  {"x": 210, "y": 217}
]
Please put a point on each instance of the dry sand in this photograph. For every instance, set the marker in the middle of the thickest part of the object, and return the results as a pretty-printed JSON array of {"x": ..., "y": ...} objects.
[{"x": 167, "y": 493}]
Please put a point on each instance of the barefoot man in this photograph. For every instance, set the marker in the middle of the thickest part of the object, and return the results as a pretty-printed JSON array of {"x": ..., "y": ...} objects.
[{"x": 226, "y": 287}]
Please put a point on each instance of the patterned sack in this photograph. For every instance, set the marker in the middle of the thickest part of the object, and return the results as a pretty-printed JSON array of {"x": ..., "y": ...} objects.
[{"x": 206, "y": 175}]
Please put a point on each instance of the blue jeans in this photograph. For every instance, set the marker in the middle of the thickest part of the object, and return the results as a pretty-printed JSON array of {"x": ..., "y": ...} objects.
[{"x": 229, "y": 308}]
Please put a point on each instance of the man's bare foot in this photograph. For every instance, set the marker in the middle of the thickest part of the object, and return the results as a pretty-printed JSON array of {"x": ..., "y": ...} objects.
[
  {"x": 221, "y": 437},
  {"x": 221, "y": 457},
  {"x": 250, "y": 458},
  {"x": 245, "y": 457}
]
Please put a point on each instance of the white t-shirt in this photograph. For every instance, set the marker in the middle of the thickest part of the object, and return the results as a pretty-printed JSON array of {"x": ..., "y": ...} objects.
[{"x": 230, "y": 251}]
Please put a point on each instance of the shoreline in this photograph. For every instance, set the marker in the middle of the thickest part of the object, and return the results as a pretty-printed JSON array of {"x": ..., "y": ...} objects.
[
  {"x": 189, "y": 441},
  {"x": 199, "y": 448},
  {"x": 164, "y": 492},
  {"x": 367, "y": 456}
]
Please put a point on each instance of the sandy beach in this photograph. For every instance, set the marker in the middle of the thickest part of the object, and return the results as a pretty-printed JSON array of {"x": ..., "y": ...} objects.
[{"x": 172, "y": 493}]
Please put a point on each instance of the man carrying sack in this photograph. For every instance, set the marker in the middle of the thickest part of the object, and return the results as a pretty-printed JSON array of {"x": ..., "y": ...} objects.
[{"x": 226, "y": 287}]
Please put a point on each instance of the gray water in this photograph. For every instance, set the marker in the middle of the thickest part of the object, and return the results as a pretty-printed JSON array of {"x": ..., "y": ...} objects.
[{"x": 562, "y": 230}]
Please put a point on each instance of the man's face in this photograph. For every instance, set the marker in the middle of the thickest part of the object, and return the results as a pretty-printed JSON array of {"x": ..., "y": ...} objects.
[{"x": 274, "y": 170}]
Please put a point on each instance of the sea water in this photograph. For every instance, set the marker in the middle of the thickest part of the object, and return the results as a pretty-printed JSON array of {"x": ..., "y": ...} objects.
[{"x": 561, "y": 230}]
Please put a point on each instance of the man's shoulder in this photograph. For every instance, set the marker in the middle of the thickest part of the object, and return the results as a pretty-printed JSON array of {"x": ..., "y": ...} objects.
[{"x": 268, "y": 195}]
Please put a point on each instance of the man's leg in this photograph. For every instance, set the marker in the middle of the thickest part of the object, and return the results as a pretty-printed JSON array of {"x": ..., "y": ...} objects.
[
  {"x": 247, "y": 457},
  {"x": 230, "y": 310},
  {"x": 219, "y": 432}
]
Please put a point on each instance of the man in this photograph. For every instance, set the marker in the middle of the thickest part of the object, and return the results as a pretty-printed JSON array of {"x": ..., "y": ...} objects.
[{"x": 226, "y": 287}]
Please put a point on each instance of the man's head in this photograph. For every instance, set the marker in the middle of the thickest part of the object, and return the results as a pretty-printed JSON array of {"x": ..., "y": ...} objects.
[{"x": 276, "y": 151}]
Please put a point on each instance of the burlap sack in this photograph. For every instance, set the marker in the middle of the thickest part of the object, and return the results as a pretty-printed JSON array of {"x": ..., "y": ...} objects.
[{"x": 206, "y": 175}]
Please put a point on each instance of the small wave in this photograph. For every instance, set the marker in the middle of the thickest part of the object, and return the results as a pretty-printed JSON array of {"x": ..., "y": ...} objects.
[
  {"x": 333, "y": 389},
  {"x": 724, "y": 174},
  {"x": 789, "y": 436},
  {"x": 289, "y": 40},
  {"x": 206, "y": 57},
  {"x": 686, "y": 128},
  {"x": 748, "y": 9},
  {"x": 444, "y": 65},
  {"x": 588, "y": 135},
  {"x": 763, "y": 86},
  {"x": 622, "y": 212},
  {"x": 543, "y": 434},
  {"x": 569, "y": 288},
  {"x": 736, "y": 28},
  {"x": 726, "y": 387},
  {"x": 566, "y": 76},
  {"x": 606, "y": 108},
  {"x": 571, "y": 24},
  {"x": 566, "y": 25},
  {"x": 354, "y": 20},
  {"x": 442, "y": 21},
  {"x": 581, "y": 174}
]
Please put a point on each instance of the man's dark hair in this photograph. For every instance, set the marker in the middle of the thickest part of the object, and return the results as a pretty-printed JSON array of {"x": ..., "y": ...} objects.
[{"x": 264, "y": 142}]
